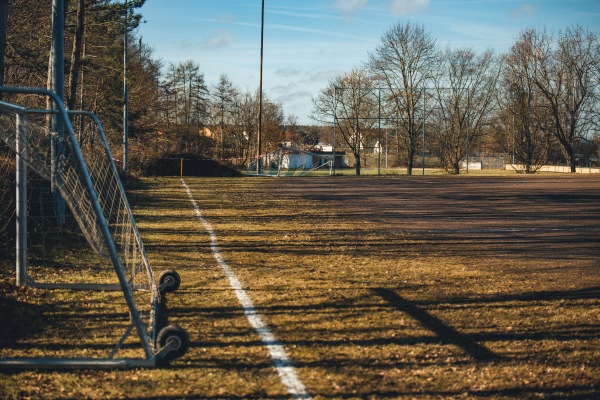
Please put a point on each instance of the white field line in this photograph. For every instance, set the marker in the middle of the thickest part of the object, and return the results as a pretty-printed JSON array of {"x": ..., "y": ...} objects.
[{"x": 281, "y": 361}]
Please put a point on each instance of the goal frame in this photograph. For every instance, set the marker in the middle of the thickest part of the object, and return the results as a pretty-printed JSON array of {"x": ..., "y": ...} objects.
[
  {"x": 276, "y": 157},
  {"x": 147, "y": 334}
]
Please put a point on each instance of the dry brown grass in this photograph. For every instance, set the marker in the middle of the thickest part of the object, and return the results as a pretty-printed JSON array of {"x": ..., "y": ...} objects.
[{"x": 438, "y": 287}]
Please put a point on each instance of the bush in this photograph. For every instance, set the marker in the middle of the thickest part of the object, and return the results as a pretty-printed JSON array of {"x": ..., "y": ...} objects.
[{"x": 188, "y": 165}]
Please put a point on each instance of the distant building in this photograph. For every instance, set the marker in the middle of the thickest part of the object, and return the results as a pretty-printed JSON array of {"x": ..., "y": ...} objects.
[
  {"x": 206, "y": 132},
  {"x": 297, "y": 161},
  {"x": 314, "y": 157}
]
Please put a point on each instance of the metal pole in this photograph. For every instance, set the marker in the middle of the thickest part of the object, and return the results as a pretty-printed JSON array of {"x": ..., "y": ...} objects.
[
  {"x": 125, "y": 94},
  {"x": 467, "y": 130},
  {"x": 379, "y": 133},
  {"x": 334, "y": 124},
  {"x": 386, "y": 147},
  {"x": 58, "y": 86},
  {"x": 358, "y": 146},
  {"x": 423, "y": 150},
  {"x": 513, "y": 139},
  {"x": 280, "y": 161},
  {"x": 21, "y": 206},
  {"x": 528, "y": 131},
  {"x": 260, "y": 90}
]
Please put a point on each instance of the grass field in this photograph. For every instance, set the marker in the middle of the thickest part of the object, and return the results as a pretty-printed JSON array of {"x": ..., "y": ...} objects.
[{"x": 377, "y": 287}]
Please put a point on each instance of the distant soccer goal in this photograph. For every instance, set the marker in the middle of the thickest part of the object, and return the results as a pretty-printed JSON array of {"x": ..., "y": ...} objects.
[
  {"x": 74, "y": 230},
  {"x": 290, "y": 161}
]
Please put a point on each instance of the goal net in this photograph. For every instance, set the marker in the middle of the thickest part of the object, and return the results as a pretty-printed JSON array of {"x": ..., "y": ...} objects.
[
  {"x": 74, "y": 231},
  {"x": 290, "y": 161}
]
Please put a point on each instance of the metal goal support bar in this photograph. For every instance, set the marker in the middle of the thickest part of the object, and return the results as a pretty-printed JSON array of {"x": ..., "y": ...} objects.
[{"x": 100, "y": 238}]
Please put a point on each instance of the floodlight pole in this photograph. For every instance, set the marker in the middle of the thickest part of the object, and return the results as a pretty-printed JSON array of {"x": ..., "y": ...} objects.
[
  {"x": 423, "y": 147},
  {"x": 379, "y": 132},
  {"x": 260, "y": 90},
  {"x": 125, "y": 94},
  {"x": 467, "y": 128},
  {"x": 58, "y": 86},
  {"x": 334, "y": 125}
]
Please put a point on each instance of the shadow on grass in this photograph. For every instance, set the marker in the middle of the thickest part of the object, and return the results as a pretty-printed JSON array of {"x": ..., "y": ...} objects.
[
  {"x": 446, "y": 333},
  {"x": 21, "y": 320},
  {"x": 501, "y": 233},
  {"x": 562, "y": 392}
]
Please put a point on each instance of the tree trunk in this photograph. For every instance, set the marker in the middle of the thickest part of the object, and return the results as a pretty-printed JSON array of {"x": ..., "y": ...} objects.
[
  {"x": 357, "y": 158},
  {"x": 398, "y": 145},
  {"x": 76, "y": 55},
  {"x": 3, "y": 33},
  {"x": 572, "y": 160},
  {"x": 572, "y": 157},
  {"x": 411, "y": 156}
]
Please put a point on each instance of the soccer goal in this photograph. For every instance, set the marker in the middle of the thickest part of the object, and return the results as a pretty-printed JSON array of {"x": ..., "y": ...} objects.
[
  {"x": 75, "y": 233},
  {"x": 290, "y": 161}
]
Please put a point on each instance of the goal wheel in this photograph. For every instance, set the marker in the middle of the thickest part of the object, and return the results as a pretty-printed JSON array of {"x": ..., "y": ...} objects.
[
  {"x": 169, "y": 281},
  {"x": 173, "y": 342}
]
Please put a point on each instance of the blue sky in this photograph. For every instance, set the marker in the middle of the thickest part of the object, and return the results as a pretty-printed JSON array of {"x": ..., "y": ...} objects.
[{"x": 307, "y": 42}]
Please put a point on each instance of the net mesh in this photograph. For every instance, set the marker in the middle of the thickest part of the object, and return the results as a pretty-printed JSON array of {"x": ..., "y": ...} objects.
[
  {"x": 7, "y": 200},
  {"x": 70, "y": 182},
  {"x": 66, "y": 245}
]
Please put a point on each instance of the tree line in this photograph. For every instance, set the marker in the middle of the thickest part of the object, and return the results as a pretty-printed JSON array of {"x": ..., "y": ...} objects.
[
  {"x": 537, "y": 103},
  {"x": 171, "y": 107}
]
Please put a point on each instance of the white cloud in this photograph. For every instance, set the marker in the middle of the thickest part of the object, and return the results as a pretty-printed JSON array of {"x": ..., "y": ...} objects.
[
  {"x": 350, "y": 6},
  {"x": 524, "y": 10},
  {"x": 226, "y": 18},
  {"x": 287, "y": 72},
  {"x": 324, "y": 76},
  {"x": 404, "y": 7},
  {"x": 221, "y": 38}
]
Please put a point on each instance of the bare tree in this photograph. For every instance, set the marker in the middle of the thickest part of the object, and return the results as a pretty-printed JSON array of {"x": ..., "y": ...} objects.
[
  {"x": 403, "y": 63},
  {"x": 566, "y": 76},
  {"x": 349, "y": 101},
  {"x": 76, "y": 55},
  {"x": 224, "y": 95},
  {"x": 272, "y": 124},
  {"x": 3, "y": 33},
  {"x": 465, "y": 94},
  {"x": 291, "y": 130},
  {"x": 245, "y": 119},
  {"x": 526, "y": 122},
  {"x": 309, "y": 135},
  {"x": 519, "y": 69}
]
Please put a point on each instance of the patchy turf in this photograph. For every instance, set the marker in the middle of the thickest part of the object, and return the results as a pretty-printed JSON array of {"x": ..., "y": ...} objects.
[{"x": 429, "y": 287}]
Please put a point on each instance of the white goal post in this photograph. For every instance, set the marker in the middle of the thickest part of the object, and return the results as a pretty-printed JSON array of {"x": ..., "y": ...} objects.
[{"x": 291, "y": 161}]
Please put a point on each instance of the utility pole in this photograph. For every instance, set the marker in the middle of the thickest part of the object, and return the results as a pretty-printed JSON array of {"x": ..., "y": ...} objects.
[
  {"x": 379, "y": 132},
  {"x": 58, "y": 86},
  {"x": 260, "y": 91},
  {"x": 125, "y": 94}
]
